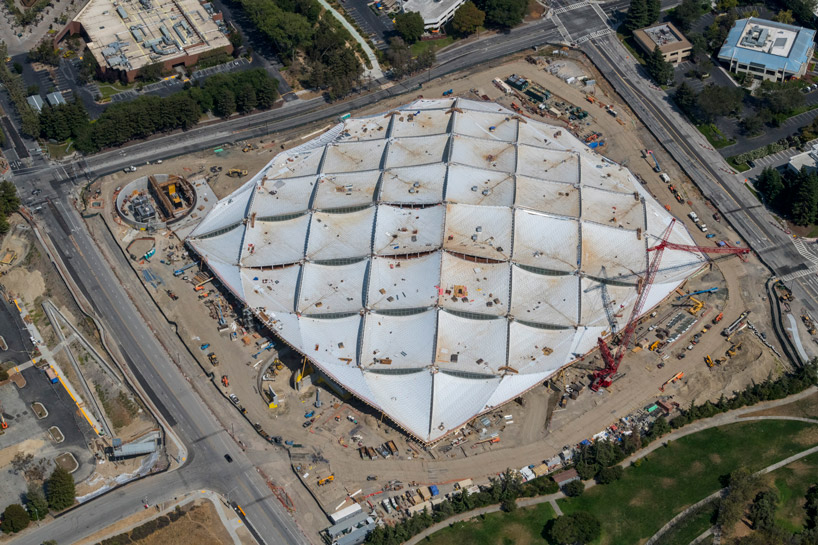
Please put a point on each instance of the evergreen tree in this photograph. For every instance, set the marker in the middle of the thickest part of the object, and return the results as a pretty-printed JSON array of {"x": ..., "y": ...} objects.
[
  {"x": 60, "y": 489},
  {"x": 36, "y": 504},
  {"x": 15, "y": 519},
  {"x": 467, "y": 19},
  {"x": 637, "y": 15},
  {"x": 654, "y": 10},
  {"x": 659, "y": 69},
  {"x": 685, "y": 97},
  {"x": 769, "y": 184},
  {"x": 805, "y": 203},
  {"x": 409, "y": 25}
]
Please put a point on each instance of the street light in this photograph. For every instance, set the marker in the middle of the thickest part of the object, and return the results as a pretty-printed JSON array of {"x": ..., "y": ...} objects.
[{"x": 230, "y": 492}]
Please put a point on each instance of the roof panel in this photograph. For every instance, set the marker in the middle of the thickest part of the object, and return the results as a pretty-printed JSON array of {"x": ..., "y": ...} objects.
[
  {"x": 613, "y": 208},
  {"x": 467, "y": 286},
  {"x": 546, "y": 242},
  {"x": 556, "y": 198},
  {"x": 367, "y": 128},
  {"x": 326, "y": 289},
  {"x": 604, "y": 175},
  {"x": 270, "y": 243},
  {"x": 542, "y": 299},
  {"x": 542, "y": 135},
  {"x": 346, "y": 190},
  {"x": 470, "y": 185},
  {"x": 294, "y": 165},
  {"x": 339, "y": 236},
  {"x": 271, "y": 290},
  {"x": 414, "y": 185},
  {"x": 403, "y": 283},
  {"x": 457, "y": 399},
  {"x": 407, "y": 398},
  {"x": 353, "y": 156},
  {"x": 401, "y": 231},
  {"x": 620, "y": 251},
  {"x": 481, "y": 153},
  {"x": 621, "y": 300},
  {"x": 398, "y": 342},
  {"x": 285, "y": 196},
  {"x": 333, "y": 341},
  {"x": 471, "y": 345},
  {"x": 227, "y": 212},
  {"x": 418, "y": 150},
  {"x": 499, "y": 126},
  {"x": 512, "y": 386},
  {"x": 420, "y": 122},
  {"x": 535, "y": 350},
  {"x": 224, "y": 247},
  {"x": 546, "y": 164},
  {"x": 228, "y": 274},
  {"x": 480, "y": 231}
]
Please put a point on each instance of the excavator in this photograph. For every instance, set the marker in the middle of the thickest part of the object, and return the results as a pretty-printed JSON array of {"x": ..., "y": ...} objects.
[
  {"x": 708, "y": 360},
  {"x": 697, "y": 306},
  {"x": 237, "y": 172}
]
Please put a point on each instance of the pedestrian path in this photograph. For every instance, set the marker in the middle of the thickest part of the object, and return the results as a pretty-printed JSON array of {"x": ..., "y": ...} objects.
[{"x": 375, "y": 72}]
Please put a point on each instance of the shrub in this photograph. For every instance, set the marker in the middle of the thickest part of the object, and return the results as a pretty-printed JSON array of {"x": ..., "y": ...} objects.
[{"x": 573, "y": 489}]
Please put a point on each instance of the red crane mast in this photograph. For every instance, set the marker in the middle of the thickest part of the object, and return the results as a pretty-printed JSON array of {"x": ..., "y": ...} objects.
[{"x": 603, "y": 377}]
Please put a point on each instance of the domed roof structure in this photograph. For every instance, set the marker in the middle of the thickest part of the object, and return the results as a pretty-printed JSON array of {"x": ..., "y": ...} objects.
[{"x": 441, "y": 259}]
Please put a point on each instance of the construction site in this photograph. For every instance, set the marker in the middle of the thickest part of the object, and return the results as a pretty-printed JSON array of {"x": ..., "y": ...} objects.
[
  {"x": 156, "y": 200},
  {"x": 642, "y": 312}
]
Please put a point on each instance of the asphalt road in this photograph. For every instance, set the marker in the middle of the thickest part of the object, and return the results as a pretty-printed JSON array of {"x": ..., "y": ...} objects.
[{"x": 182, "y": 408}]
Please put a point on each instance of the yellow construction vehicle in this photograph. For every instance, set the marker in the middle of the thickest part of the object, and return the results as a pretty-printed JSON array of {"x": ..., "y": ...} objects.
[
  {"x": 247, "y": 147},
  {"x": 654, "y": 346},
  {"x": 708, "y": 360},
  {"x": 326, "y": 480},
  {"x": 732, "y": 350},
  {"x": 697, "y": 306},
  {"x": 237, "y": 172}
]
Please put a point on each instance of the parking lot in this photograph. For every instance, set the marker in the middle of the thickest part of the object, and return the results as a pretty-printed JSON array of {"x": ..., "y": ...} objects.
[{"x": 378, "y": 27}]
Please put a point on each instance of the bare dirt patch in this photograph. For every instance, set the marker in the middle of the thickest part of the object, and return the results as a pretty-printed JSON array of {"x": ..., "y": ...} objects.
[
  {"x": 639, "y": 498},
  {"x": 667, "y": 482},
  {"x": 807, "y": 437},
  {"x": 56, "y": 434},
  {"x": 696, "y": 468},
  {"x": 515, "y": 533},
  {"x": 803, "y": 408},
  {"x": 39, "y": 409},
  {"x": 715, "y": 458}
]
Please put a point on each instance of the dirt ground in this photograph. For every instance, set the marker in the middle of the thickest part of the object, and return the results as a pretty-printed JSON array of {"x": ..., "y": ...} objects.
[{"x": 536, "y": 430}]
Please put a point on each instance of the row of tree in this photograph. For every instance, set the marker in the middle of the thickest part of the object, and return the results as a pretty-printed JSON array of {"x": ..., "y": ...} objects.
[
  {"x": 792, "y": 195},
  {"x": 17, "y": 92},
  {"x": 642, "y": 13},
  {"x": 9, "y": 203},
  {"x": 222, "y": 94},
  {"x": 58, "y": 494}
]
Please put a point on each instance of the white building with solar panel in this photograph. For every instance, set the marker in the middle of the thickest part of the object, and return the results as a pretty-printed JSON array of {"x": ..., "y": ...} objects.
[{"x": 441, "y": 259}]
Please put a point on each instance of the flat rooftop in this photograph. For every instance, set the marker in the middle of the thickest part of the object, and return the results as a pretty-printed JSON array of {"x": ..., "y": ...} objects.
[
  {"x": 130, "y": 34},
  {"x": 758, "y": 36},
  {"x": 664, "y": 35},
  {"x": 769, "y": 44},
  {"x": 430, "y": 10}
]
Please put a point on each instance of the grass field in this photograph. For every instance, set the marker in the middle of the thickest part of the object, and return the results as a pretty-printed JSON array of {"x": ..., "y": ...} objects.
[
  {"x": 683, "y": 473},
  {"x": 691, "y": 527},
  {"x": 423, "y": 45},
  {"x": 715, "y": 136},
  {"x": 523, "y": 527},
  {"x": 792, "y": 483}
]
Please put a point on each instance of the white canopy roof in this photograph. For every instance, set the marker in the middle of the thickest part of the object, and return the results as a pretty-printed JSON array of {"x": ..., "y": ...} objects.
[{"x": 443, "y": 258}]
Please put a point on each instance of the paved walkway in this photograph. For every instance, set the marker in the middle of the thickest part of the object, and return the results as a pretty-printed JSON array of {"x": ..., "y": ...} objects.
[
  {"x": 700, "y": 425},
  {"x": 375, "y": 73}
]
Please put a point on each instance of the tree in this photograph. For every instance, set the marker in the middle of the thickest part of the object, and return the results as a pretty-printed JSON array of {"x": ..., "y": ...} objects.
[
  {"x": 608, "y": 475},
  {"x": 575, "y": 529},
  {"x": 9, "y": 200},
  {"x": 36, "y": 503},
  {"x": 686, "y": 98},
  {"x": 780, "y": 98},
  {"x": 785, "y": 16},
  {"x": 225, "y": 103},
  {"x": 150, "y": 72},
  {"x": 467, "y": 19},
  {"x": 716, "y": 100},
  {"x": 654, "y": 10},
  {"x": 659, "y": 69},
  {"x": 752, "y": 125},
  {"x": 573, "y": 488},
  {"x": 503, "y": 13},
  {"x": 509, "y": 505},
  {"x": 762, "y": 511},
  {"x": 409, "y": 25},
  {"x": 686, "y": 14},
  {"x": 637, "y": 15},
  {"x": 742, "y": 484},
  {"x": 399, "y": 56},
  {"x": 15, "y": 519},
  {"x": 724, "y": 6},
  {"x": 60, "y": 489},
  {"x": 246, "y": 98},
  {"x": 805, "y": 201},
  {"x": 4, "y": 375}
]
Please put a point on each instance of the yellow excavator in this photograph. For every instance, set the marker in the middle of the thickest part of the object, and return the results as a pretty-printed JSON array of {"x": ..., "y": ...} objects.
[
  {"x": 237, "y": 172},
  {"x": 708, "y": 360},
  {"x": 326, "y": 480}
]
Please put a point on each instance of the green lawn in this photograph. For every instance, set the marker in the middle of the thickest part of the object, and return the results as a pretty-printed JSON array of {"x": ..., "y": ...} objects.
[
  {"x": 792, "y": 483},
  {"x": 523, "y": 526},
  {"x": 106, "y": 90},
  {"x": 683, "y": 473},
  {"x": 421, "y": 46},
  {"x": 631, "y": 46},
  {"x": 714, "y": 136},
  {"x": 57, "y": 151},
  {"x": 741, "y": 167}
]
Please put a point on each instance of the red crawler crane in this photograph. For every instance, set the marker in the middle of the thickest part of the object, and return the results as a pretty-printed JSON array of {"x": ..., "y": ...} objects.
[{"x": 603, "y": 377}]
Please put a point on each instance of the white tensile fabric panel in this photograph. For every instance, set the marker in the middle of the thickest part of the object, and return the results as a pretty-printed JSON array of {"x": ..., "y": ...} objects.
[
  {"x": 484, "y": 287},
  {"x": 272, "y": 290},
  {"x": 659, "y": 292},
  {"x": 403, "y": 283},
  {"x": 601, "y": 174},
  {"x": 398, "y": 342},
  {"x": 420, "y": 122},
  {"x": 351, "y": 378},
  {"x": 479, "y": 346},
  {"x": 535, "y": 350},
  {"x": 468, "y": 185},
  {"x": 275, "y": 242},
  {"x": 286, "y": 325},
  {"x": 406, "y": 398},
  {"x": 414, "y": 185},
  {"x": 560, "y": 166},
  {"x": 228, "y": 274},
  {"x": 512, "y": 386},
  {"x": 560, "y": 199},
  {"x": 346, "y": 190},
  {"x": 477, "y": 106},
  {"x": 484, "y": 125},
  {"x": 543, "y": 299},
  {"x": 618, "y": 250},
  {"x": 228, "y": 211},
  {"x": 541, "y": 135},
  {"x": 676, "y": 265},
  {"x": 585, "y": 339},
  {"x": 332, "y": 341},
  {"x": 481, "y": 153},
  {"x": 332, "y": 288},
  {"x": 225, "y": 247},
  {"x": 367, "y": 128},
  {"x": 278, "y": 197},
  {"x": 593, "y": 309},
  {"x": 401, "y": 231},
  {"x": 457, "y": 399},
  {"x": 613, "y": 208},
  {"x": 480, "y": 231},
  {"x": 417, "y": 150},
  {"x": 353, "y": 156},
  {"x": 289, "y": 165},
  {"x": 336, "y": 236},
  {"x": 546, "y": 242}
]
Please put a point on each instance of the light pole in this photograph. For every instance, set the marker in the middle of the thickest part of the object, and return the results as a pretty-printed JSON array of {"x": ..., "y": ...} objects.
[{"x": 230, "y": 492}]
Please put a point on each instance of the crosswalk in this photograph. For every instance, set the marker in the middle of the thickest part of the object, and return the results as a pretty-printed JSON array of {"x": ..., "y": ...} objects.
[
  {"x": 806, "y": 254},
  {"x": 570, "y": 7}
]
